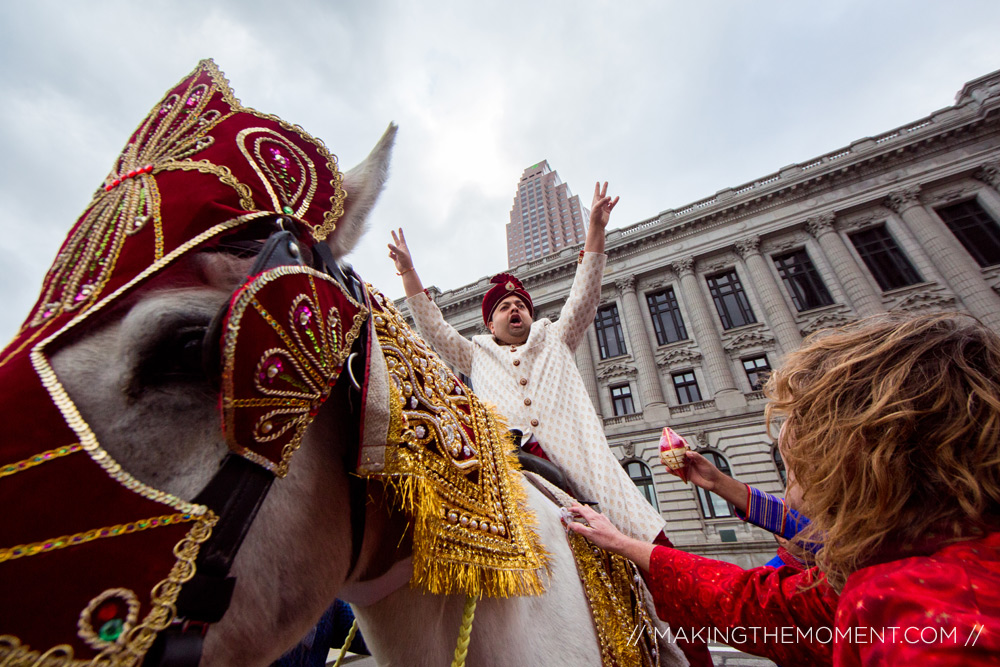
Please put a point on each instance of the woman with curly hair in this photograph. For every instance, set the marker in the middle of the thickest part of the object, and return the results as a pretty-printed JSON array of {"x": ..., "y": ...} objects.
[{"x": 892, "y": 431}]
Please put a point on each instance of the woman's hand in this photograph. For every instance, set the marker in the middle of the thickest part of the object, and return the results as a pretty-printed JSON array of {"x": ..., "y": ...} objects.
[
  {"x": 596, "y": 528},
  {"x": 599, "y": 530}
]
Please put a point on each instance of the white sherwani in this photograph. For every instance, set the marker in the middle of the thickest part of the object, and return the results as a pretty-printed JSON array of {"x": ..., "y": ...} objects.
[{"x": 538, "y": 389}]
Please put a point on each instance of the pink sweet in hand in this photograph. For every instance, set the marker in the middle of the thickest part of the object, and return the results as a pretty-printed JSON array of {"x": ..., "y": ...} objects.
[{"x": 672, "y": 450}]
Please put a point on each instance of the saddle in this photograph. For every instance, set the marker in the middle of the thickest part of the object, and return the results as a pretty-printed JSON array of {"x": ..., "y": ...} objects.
[{"x": 546, "y": 469}]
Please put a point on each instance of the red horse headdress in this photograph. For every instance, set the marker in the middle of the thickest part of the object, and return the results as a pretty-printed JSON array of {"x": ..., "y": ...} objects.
[{"x": 199, "y": 167}]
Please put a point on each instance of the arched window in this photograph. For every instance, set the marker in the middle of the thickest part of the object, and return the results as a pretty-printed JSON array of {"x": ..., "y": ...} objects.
[
  {"x": 642, "y": 477},
  {"x": 779, "y": 463},
  {"x": 712, "y": 506}
]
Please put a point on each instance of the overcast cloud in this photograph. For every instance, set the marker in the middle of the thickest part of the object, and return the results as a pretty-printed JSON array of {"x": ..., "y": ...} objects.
[{"x": 669, "y": 101}]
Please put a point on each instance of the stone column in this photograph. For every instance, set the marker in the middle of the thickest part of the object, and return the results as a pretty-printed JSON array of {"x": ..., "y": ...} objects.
[
  {"x": 585, "y": 364},
  {"x": 956, "y": 265},
  {"x": 989, "y": 198},
  {"x": 778, "y": 315},
  {"x": 864, "y": 298},
  {"x": 717, "y": 364},
  {"x": 649, "y": 378},
  {"x": 989, "y": 173}
]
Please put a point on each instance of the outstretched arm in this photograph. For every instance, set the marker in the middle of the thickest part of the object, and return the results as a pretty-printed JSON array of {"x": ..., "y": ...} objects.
[
  {"x": 431, "y": 325},
  {"x": 694, "y": 593},
  {"x": 701, "y": 472},
  {"x": 599, "y": 530},
  {"x": 600, "y": 215},
  {"x": 581, "y": 306},
  {"x": 399, "y": 253}
]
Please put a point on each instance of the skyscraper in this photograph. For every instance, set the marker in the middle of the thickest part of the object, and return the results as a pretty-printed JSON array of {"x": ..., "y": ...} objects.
[{"x": 546, "y": 216}]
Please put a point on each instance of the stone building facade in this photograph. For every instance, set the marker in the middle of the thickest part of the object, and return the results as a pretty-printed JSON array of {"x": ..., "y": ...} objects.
[{"x": 699, "y": 302}]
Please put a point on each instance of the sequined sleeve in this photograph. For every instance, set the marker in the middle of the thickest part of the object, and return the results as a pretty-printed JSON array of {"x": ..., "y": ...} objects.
[
  {"x": 444, "y": 338},
  {"x": 737, "y": 607},
  {"x": 581, "y": 306}
]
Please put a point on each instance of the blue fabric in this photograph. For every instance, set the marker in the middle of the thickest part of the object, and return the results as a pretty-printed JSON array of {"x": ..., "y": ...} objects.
[
  {"x": 330, "y": 632},
  {"x": 775, "y": 562}
]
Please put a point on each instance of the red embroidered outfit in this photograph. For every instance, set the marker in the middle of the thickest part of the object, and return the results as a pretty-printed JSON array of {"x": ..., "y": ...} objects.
[
  {"x": 945, "y": 607},
  {"x": 951, "y": 596}
]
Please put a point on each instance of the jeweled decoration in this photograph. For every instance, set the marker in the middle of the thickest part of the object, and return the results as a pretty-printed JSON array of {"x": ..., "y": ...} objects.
[{"x": 455, "y": 475}]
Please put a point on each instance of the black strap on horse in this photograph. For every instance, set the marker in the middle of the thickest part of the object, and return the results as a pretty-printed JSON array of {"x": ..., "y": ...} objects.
[
  {"x": 545, "y": 469},
  {"x": 238, "y": 489}
]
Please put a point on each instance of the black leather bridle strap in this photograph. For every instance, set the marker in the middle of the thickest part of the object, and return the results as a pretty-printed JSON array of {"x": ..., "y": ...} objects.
[
  {"x": 237, "y": 491},
  {"x": 235, "y": 494}
]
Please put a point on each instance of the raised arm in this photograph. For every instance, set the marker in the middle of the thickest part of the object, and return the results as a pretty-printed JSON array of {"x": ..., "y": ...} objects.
[
  {"x": 444, "y": 338},
  {"x": 399, "y": 253},
  {"x": 600, "y": 215},
  {"x": 584, "y": 295}
]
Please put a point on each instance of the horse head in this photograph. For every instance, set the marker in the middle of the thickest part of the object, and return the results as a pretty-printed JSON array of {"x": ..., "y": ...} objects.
[
  {"x": 177, "y": 421},
  {"x": 119, "y": 433}
]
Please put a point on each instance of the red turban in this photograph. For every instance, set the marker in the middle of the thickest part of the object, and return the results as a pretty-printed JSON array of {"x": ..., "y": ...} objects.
[{"x": 504, "y": 285}]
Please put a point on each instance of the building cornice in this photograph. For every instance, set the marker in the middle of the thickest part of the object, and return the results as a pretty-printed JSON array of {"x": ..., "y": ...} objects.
[{"x": 975, "y": 114}]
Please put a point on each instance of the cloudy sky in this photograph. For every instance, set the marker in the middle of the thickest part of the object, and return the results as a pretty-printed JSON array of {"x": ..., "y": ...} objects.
[{"x": 670, "y": 101}]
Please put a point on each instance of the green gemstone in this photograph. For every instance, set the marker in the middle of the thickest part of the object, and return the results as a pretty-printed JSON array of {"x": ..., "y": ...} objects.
[
  {"x": 111, "y": 630},
  {"x": 287, "y": 210}
]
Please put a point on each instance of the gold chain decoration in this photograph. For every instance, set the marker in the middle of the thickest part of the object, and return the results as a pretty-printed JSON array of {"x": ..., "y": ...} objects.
[
  {"x": 164, "y": 595},
  {"x": 15, "y": 654},
  {"x": 115, "y": 612},
  {"x": 45, "y": 546},
  {"x": 43, "y": 457},
  {"x": 132, "y": 644},
  {"x": 449, "y": 459}
]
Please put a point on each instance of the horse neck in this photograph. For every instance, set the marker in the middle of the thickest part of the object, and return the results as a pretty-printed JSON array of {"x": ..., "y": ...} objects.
[{"x": 387, "y": 536}]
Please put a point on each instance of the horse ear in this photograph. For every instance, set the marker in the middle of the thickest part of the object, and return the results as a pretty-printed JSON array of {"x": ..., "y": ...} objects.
[{"x": 363, "y": 185}]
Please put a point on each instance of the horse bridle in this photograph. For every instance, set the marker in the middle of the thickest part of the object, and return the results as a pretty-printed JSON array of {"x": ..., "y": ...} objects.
[{"x": 238, "y": 489}]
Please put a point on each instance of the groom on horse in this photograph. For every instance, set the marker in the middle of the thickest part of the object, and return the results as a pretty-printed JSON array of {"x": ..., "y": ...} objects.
[{"x": 525, "y": 367}]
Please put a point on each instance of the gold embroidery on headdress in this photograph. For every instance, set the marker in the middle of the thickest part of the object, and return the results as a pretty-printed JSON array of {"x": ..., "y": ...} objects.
[
  {"x": 288, "y": 175},
  {"x": 129, "y": 201}
]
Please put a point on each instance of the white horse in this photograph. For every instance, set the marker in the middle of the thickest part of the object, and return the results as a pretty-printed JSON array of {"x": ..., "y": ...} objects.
[{"x": 137, "y": 380}]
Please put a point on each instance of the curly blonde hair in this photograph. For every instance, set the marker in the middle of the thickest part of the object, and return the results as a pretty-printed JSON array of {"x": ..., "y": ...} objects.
[{"x": 893, "y": 434}]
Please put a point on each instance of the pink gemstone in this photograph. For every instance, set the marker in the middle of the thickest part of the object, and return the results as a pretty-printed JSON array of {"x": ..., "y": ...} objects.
[{"x": 271, "y": 370}]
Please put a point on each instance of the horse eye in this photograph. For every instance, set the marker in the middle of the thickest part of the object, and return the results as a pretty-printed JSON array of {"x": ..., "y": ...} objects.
[
  {"x": 189, "y": 356},
  {"x": 174, "y": 358}
]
